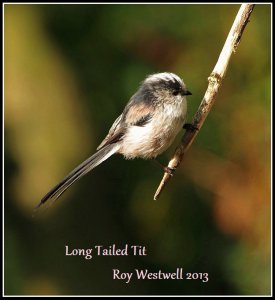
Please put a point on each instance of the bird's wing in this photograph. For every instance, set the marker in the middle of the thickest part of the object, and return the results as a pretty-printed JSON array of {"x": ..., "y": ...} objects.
[
  {"x": 111, "y": 132},
  {"x": 138, "y": 114},
  {"x": 135, "y": 114}
]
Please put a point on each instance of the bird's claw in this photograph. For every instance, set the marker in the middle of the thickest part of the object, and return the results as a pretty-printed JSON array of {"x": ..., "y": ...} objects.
[
  {"x": 189, "y": 126},
  {"x": 169, "y": 170}
]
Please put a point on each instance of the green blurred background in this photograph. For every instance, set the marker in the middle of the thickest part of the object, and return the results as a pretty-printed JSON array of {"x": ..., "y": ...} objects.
[{"x": 69, "y": 71}]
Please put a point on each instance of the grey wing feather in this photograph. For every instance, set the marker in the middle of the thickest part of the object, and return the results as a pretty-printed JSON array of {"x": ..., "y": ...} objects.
[
  {"x": 112, "y": 131},
  {"x": 136, "y": 112},
  {"x": 143, "y": 120}
]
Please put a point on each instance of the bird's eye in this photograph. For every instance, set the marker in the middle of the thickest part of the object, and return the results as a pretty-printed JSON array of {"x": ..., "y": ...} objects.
[{"x": 175, "y": 93}]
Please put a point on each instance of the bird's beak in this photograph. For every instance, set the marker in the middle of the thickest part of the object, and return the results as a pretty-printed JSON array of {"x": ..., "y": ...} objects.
[{"x": 187, "y": 93}]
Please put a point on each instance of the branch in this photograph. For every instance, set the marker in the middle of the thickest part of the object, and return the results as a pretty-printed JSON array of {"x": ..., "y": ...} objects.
[{"x": 215, "y": 79}]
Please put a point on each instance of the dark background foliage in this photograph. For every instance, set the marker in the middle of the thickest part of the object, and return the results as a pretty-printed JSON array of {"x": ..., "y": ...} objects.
[{"x": 69, "y": 71}]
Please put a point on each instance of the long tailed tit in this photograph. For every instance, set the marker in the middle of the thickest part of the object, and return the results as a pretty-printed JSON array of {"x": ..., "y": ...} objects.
[{"x": 146, "y": 128}]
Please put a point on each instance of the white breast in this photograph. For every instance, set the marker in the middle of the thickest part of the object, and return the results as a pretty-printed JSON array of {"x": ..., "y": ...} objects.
[{"x": 157, "y": 135}]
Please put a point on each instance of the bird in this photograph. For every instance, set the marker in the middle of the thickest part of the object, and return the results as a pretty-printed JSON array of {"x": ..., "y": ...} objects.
[{"x": 147, "y": 126}]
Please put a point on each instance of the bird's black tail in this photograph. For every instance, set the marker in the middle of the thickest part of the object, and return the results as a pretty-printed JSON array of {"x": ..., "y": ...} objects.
[{"x": 79, "y": 172}]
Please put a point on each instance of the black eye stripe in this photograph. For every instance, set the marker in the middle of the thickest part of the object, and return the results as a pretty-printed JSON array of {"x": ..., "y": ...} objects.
[{"x": 171, "y": 85}]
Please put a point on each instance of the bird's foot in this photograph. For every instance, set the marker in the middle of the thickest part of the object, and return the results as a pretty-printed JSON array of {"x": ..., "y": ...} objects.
[
  {"x": 189, "y": 126},
  {"x": 169, "y": 170}
]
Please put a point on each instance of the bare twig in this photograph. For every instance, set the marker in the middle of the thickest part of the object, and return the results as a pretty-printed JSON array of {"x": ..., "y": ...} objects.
[{"x": 208, "y": 100}]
